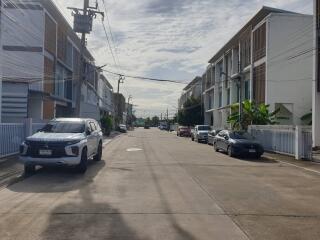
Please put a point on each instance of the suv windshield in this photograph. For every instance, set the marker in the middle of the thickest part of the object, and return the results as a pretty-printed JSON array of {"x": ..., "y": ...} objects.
[
  {"x": 241, "y": 135},
  {"x": 64, "y": 127},
  {"x": 204, "y": 128}
]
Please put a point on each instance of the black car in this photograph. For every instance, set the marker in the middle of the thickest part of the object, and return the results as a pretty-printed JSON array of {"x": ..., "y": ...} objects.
[
  {"x": 237, "y": 143},
  {"x": 211, "y": 136}
]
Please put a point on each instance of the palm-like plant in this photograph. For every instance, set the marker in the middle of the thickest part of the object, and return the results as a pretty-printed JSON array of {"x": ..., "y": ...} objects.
[
  {"x": 307, "y": 118},
  {"x": 253, "y": 114}
]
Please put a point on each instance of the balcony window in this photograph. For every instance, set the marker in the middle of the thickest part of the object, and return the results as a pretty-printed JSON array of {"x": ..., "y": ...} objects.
[
  {"x": 69, "y": 55},
  {"x": 247, "y": 89},
  {"x": 59, "y": 81},
  {"x": 220, "y": 98}
]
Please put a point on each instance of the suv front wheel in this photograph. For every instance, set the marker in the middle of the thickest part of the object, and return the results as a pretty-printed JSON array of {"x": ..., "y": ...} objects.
[
  {"x": 82, "y": 166},
  {"x": 98, "y": 156},
  {"x": 29, "y": 169}
]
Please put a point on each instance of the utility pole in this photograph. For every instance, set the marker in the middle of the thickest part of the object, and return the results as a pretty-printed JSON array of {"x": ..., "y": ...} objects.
[
  {"x": 128, "y": 107},
  {"x": 120, "y": 80},
  {"x": 83, "y": 19}
]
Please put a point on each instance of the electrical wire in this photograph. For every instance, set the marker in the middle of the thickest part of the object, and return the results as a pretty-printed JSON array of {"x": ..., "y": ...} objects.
[{"x": 145, "y": 78}]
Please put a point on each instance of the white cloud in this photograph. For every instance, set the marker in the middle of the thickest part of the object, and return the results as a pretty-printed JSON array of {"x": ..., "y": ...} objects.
[{"x": 169, "y": 39}]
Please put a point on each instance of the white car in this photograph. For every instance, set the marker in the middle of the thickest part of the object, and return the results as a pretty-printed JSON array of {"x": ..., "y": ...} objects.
[
  {"x": 63, "y": 141},
  {"x": 200, "y": 133},
  {"x": 123, "y": 128}
]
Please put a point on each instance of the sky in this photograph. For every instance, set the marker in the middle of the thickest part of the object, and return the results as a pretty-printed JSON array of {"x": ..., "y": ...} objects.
[{"x": 167, "y": 39}]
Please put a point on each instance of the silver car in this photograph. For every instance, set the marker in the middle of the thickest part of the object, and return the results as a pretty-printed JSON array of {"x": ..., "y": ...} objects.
[{"x": 200, "y": 133}]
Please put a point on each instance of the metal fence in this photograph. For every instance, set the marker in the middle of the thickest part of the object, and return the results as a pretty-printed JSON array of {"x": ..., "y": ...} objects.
[
  {"x": 11, "y": 136},
  {"x": 290, "y": 140},
  {"x": 306, "y": 146}
]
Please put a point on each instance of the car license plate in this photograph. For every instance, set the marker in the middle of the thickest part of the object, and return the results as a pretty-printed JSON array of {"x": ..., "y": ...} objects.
[
  {"x": 45, "y": 152},
  {"x": 252, "y": 150}
]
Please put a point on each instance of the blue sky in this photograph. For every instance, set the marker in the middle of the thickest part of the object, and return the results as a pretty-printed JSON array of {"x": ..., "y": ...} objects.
[{"x": 172, "y": 39}]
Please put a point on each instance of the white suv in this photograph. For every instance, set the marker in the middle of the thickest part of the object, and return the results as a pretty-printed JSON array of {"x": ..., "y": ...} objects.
[{"x": 63, "y": 141}]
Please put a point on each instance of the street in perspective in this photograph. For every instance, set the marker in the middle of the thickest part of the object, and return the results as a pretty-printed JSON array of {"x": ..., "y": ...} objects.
[{"x": 159, "y": 120}]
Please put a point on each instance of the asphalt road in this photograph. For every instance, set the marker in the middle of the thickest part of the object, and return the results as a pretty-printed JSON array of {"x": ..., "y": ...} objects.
[{"x": 154, "y": 185}]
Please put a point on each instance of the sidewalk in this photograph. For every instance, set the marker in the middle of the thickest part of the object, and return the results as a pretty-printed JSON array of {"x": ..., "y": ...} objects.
[
  {"x": 306, "y": 165},
  {"x": 10, "y": 170}
]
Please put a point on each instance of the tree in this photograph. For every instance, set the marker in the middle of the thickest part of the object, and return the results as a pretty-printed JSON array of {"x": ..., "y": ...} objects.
[
  {"x": 147, "y": 121},
  {"x": 191, "y": 114},
  {"x": 106, "y": 124},
  {"x": 253, "y": 114},
  {"x": 155, "y": 121}
]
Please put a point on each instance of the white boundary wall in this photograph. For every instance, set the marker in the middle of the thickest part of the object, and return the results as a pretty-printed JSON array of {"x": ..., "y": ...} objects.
[{"x": 286, "y": 139}]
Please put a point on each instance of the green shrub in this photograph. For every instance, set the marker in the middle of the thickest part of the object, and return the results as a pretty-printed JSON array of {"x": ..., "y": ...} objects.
[{"x": 107, "y": 125}]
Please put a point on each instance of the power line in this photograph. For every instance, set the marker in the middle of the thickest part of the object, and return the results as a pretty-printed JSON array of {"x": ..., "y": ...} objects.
[
  {"x": 145, "y": 78},
  {"x": 108, "y": 41},
  {"x": 110, "y": 30}
]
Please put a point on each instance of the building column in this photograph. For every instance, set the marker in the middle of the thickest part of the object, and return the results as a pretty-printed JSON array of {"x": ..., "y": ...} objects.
[
  {"x": 315, "y": 92},
  {"x": 1, "y": 54}
]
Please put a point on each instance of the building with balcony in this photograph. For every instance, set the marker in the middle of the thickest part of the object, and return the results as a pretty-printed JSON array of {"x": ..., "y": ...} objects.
[
  {"x": 267, "y": 61},
  {"x": 105, "y": 91},
  {"x": 193, "y": 89},
  {"x": 40, "y": 59}
]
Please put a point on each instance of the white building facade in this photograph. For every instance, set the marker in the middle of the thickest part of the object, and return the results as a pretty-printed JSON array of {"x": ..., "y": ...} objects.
[
  {"x": 270, "y": 56},
  {"x": 193, "y": 89},
  {"x": 105, "y": 91},
  {"x": 40, "y": 59}
]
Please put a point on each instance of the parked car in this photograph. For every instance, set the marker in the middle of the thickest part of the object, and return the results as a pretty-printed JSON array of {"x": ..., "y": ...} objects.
[
  {"x": 183, "y": 131},
  {"x": 211, "y": 136},
  {"x": 63, "y": 141},
  {"x": 237, "y": 143},
  {"x": 200, "y": 133},
  {"x": 146, "y": 126},
  {"x": 122, "y": 128}
]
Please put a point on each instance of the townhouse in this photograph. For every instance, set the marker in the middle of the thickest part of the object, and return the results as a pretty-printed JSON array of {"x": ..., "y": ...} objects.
[
  {"x": 105, "y": 91},
  {"x": 40, "y": 59},
  {"x": 268, "y": 60},
  {"x": 193, "y": 89}
]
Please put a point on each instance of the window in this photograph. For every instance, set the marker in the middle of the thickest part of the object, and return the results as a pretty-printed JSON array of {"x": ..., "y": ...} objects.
[
  {"x": 259, "y": 43},
  {"x": 63, "y": 82},
  {"x": 228, "y": 96},
  {"x": 59, "y": 81},
  {"x": 64, "y": 127},
  {"x": 69, "y": 54},
  {"x": 93, "y": 126},
  {"x": 220, "y": 98},
  {"x": 247, "y": 89}
]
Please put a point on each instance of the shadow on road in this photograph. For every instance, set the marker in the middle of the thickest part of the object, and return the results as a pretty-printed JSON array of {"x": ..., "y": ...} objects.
[
  {"x": 58, "y": 179},
  {"x": 87, "y": 219}
]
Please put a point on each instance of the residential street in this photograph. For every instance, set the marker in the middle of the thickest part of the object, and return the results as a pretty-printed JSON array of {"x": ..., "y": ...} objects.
[{"x": 154, "y": 185}]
